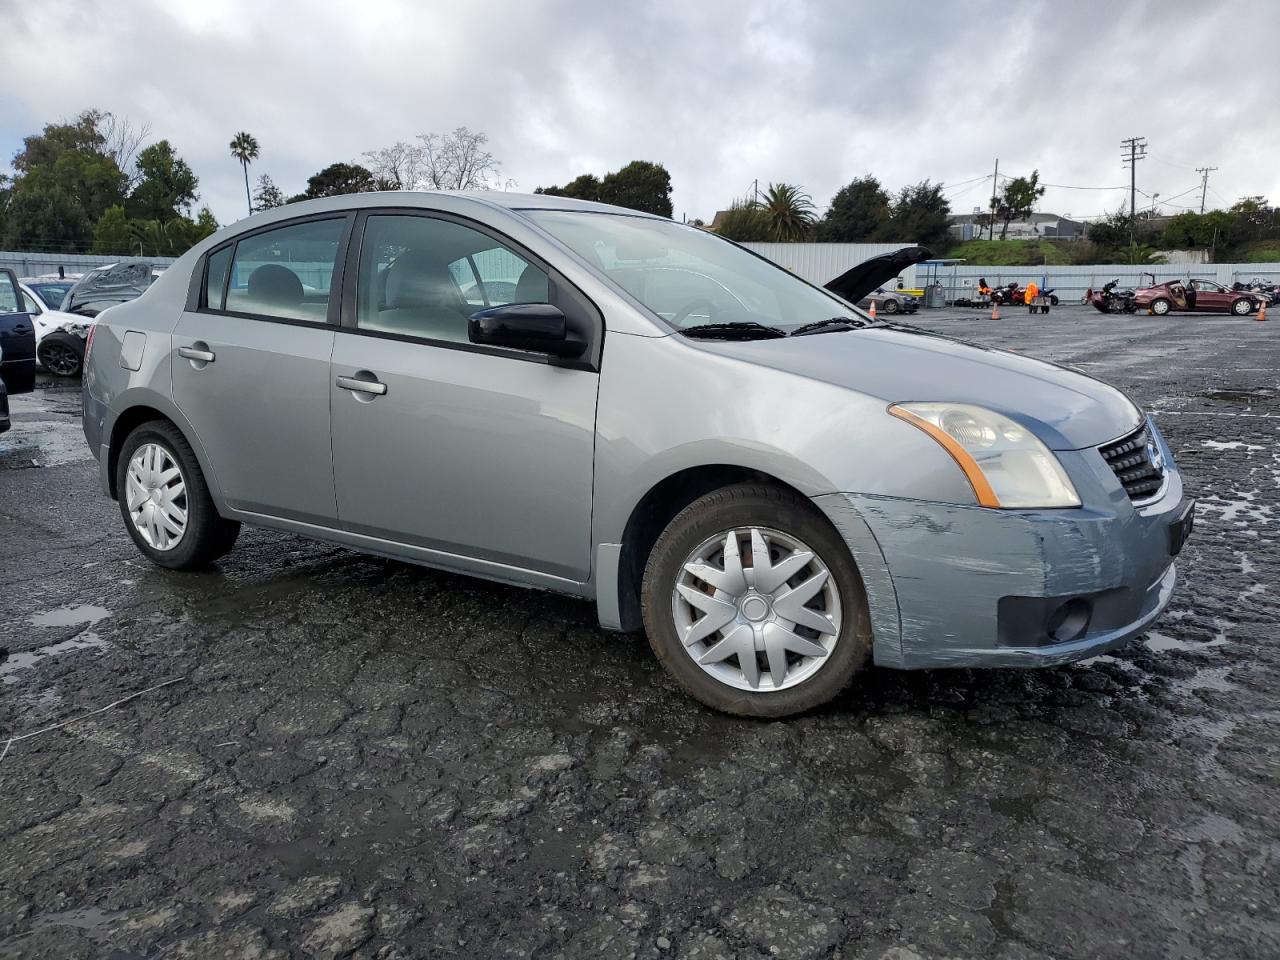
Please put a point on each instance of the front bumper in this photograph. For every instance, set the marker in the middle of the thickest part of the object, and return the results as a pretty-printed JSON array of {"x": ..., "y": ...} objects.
[{"x": 967, "y": 586}]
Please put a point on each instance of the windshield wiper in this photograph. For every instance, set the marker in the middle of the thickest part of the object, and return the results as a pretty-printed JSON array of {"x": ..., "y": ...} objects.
[
  {"x": 738, "y": 330},
  {"x": 833, "y": 324}
]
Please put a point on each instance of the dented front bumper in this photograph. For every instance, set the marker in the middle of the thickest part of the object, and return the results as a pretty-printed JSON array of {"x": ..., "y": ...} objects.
[{"x": 967, "y": 586}]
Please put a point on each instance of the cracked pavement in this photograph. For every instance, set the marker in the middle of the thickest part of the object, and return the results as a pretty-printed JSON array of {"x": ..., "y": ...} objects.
[{"x": 364, "y": 758}]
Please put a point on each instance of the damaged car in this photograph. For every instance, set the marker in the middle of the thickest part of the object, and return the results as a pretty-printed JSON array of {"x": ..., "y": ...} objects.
[
  {"x": 1194, "y": 296},
  {"x": 778, "y": 489},
  {"x": 61, "y": 334}
]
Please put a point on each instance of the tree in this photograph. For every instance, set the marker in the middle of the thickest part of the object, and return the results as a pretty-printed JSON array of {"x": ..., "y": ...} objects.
[
  {"x": 919, "y": 213},
  {"x": 267, "y": 195},
  {"x": 457, "y": 161},
  {"x": 121, "y": 140},
  {"x": 63, "y": 183},
  {"x": 245, "y": 149},
  {"x": 640, "y": 185},
  {"x": 397, "y": 167},
  {"x": 788, "y": 212},
  {"x": 1018, "y": 199},
  {"x": 206, "y": 224},
  {"x": 112, "y": 234},
  {"x": 166, "y": 185},
  {"x": 859, "y": 212},
  {"x": 585, "y": 187},
  {"x": 744, "y": 222},
  {"x": 338, "y": 179}
]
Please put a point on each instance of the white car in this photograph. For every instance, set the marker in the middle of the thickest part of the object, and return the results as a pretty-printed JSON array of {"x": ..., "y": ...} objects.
[{"x": 45, "y": 295}]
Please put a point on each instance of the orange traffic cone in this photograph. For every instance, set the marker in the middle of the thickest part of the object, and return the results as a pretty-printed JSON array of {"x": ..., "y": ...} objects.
[
  {"x": 995, "y": 310},
  {"x": 1262, "y": 311},
  {"x": 872, "y": 311}
]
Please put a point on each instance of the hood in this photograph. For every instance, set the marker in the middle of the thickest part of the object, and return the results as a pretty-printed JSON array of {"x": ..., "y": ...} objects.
[
  {"x": 1065, "y": 409},
  {"x": 856, "y": 283},
  {"x": 118, "y": 281}
]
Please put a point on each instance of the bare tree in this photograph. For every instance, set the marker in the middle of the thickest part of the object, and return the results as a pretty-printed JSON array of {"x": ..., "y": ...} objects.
[
  {"x": 458, "y": 161},
  {"x": 397, "y": 167},
  {"x": 121, "y": 140}
]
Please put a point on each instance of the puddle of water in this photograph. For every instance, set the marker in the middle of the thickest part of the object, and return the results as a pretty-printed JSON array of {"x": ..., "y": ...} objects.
[
  {"x": 90, "y": 919},
  {"x": 1162, "y": 641},
  {"x": 1230, "y": 445},
  {"x": 1240, "y": 396},
  {"x": 31, "y": 658},
  {"x": 81, "y": 613}
]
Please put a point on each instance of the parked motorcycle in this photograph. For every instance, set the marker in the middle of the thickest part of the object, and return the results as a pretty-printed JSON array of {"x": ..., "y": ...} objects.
[
  {"x": 1017, "y": 295},
  {"x": 1262, "y": 290},
  {"x": 1111, "y": 300}
]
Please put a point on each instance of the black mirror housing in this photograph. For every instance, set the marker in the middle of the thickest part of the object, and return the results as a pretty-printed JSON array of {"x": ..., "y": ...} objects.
[{"x": 538, "y": 327}]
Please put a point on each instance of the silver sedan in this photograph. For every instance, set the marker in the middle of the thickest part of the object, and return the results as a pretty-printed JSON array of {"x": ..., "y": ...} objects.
[{"x": 778, "y": 489}]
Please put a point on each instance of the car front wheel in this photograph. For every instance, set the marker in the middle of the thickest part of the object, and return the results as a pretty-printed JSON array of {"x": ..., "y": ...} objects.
[
  {"x": 165, "y": 502},
  {"x": 1241, "y": 307},
  {"x": 753, "y": 604},
  {"x": 890, "y": 306}
]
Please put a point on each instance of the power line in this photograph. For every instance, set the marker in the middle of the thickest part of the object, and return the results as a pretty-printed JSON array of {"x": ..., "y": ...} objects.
[
  {"x": 1204, "y": 182},
  {"x": 1137, "y": 150}
]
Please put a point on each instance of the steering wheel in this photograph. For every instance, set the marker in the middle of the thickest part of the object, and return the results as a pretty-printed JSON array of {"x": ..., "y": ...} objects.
[{"x": 683, "y": 313}]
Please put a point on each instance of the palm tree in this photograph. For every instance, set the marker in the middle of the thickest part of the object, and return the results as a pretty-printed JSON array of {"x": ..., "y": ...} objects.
[
  {"x": 245, "y": 149},
  {"x": 788, "y": 211}
]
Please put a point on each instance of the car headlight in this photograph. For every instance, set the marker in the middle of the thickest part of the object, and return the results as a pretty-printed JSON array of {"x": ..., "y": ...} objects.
[{"x": 1006, "y": 464}]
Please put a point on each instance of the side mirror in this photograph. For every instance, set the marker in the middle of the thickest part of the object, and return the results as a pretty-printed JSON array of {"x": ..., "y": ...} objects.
[{"x": 540, "y": 327}]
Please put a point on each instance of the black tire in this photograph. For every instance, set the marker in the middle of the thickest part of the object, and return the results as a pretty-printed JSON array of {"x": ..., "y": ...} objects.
[
  {"x": 890, "y": 306},
  {"x": 1053, "y": 300},
  {"x": 1242, "y": 306},
  {"x": 743, "y": 505},
  {"x": 1161, "y": 307},
  {"x": 61, "y": 353},
  {"x": 207, "y": 536}
]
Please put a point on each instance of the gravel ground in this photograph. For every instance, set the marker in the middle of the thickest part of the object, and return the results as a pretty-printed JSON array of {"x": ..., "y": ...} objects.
[{"x": 359, "y": 757}]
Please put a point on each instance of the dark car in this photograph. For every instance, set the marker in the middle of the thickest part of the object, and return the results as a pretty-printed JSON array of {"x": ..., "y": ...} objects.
[
  {"x": 17, "y": 344},
  {"x": 861, "y": 284},
  {"x": 1199, "y": 296}
]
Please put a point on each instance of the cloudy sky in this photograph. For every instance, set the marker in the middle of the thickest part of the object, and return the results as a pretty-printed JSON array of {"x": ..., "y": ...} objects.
[{"x": 722, "y": 92}]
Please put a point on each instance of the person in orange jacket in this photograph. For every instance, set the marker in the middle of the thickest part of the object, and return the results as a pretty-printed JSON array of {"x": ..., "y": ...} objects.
[{"x": 1030, "y": 293}]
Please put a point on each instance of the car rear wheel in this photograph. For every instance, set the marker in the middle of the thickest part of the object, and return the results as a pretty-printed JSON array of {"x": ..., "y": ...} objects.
[
  {"x": 165, "y": 502},
  {"x": 1241, "y": 307},
  {"x": 1160, "y": 307},
  {"x": 61, "y": 354},
  {"x": 753, "y": 605}
]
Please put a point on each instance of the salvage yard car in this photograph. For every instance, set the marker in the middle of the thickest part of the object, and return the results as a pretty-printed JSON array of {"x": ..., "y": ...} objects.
[
  {"x": 17, "y": 344},
  {"x": 1199, "y": 296},
  {"x": 776, "y": 487},
  {"x": 61, "y": 334}
]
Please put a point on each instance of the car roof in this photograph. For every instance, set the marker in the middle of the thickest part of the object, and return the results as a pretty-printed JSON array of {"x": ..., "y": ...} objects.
[{"x": 505, "y": 199}]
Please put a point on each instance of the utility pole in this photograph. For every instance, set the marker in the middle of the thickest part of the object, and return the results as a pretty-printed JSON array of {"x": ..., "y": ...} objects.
[
  {"x": 1136, "y": 148},
  {"x": 1204, "y": 183},
  {"x": 995, "y": 180}
]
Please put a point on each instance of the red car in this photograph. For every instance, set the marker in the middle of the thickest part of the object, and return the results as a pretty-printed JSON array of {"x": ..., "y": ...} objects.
[{"x": 1200, "y": 296}]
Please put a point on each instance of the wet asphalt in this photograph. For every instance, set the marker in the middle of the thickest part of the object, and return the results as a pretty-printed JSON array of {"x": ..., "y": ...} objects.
[{"x": 356, "y": 757}]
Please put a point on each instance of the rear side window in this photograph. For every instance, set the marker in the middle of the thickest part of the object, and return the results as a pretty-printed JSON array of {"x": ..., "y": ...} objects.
[
  {"x": 11, "y": 299},
  {"x": 216, "y": 278},
  {"x": 286, "y": 273}
]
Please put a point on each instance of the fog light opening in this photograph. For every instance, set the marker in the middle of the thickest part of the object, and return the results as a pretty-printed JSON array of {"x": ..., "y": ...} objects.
[{"x": 1069, "y": 621}]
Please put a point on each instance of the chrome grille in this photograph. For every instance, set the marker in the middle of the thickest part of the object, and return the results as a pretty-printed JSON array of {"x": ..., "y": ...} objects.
[{"x": 1130, "y": 459}]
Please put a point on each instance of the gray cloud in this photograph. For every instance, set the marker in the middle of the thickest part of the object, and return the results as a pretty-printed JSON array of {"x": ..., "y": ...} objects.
[{"x": 720, "y": 92}]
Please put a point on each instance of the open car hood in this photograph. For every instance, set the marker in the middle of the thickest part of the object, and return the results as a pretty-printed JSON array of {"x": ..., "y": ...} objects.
[
  {"x": 856, "y": 283},
  {"x": 119, "y": 281}
]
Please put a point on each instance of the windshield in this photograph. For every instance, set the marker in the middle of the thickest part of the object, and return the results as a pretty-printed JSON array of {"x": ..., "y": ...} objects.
[
  {"x": 51, "y": 293},
  {"x": 688, "y": 277}
]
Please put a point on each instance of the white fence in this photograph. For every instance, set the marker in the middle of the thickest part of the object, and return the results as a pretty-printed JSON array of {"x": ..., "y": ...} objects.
[
  {"x": 38, "y": 264},
  {"x": 822, "y": 262}
]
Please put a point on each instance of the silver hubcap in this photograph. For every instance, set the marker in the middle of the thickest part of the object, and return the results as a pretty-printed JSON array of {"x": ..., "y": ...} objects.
[
  {"x": 757, "y": 609},
  {"x": 156, "y": 496}
]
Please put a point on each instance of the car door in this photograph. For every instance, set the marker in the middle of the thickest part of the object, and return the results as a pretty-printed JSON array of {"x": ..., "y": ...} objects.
[
  {"x": 251, "y": 366},
  {"x": 1211, "y": 296},
  {"x": 17, "y": 337},
  {"x": 478, "y": 458}
]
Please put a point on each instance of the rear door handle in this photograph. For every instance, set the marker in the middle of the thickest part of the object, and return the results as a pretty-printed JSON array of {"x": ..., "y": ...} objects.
[
  {"x": 195, "y": 353},
  {"x": 374, "y": 387}
]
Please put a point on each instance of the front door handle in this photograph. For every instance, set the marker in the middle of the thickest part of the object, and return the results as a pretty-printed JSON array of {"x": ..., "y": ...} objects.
[
  {"x": 374, "y": 387},
  {"x": 195, "y": 353}
]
